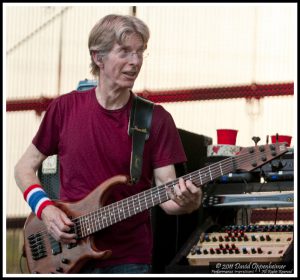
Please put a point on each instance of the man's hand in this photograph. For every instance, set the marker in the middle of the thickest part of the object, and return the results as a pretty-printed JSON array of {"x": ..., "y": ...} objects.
[
  {"x": 58, "y": 224},
  {"x": 186, "y": 195}
]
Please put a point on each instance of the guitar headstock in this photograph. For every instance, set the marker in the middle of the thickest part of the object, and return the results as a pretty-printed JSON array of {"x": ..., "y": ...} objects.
[{"x": 250, "y": 158}]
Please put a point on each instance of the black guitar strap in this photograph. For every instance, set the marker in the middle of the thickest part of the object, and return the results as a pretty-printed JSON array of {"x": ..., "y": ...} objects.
[{"x": 139, "y": 128}]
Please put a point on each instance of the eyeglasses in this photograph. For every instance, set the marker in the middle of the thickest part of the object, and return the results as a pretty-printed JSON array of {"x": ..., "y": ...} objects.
[{"x": 125, "y": 53}]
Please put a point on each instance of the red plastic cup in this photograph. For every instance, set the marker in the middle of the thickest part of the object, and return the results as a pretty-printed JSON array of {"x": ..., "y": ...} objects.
[
  {"x": 282, "y": 138},
  {"x": 227, "y": 136}
]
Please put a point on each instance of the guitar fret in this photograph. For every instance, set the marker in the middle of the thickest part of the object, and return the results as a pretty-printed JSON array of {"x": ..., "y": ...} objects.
[
  {"x": 122, "y": 211},
  {"x": 81, "y": 227},
  {"x": 92, "y": 222},
  {"x": 220, "y": 165},
  {"x": 135, "y": 204},
  {"x": 200, "y": 177},
  {"x": 139, "y": 202},
  {"x": 151, "y": 193},
  {"x": 84, "y": 226},
  {"x": 128, "y": 209},
  {"x": 118, "y": 210},
  {"x": 210, "y": 172},
  {"x": 87, "y": 223},
  {"x": 97, "y": 221},
  {"x": 104, "y": 219},
  {"x": 146, "y": 204},
  {"x": 113, "y": 214}
]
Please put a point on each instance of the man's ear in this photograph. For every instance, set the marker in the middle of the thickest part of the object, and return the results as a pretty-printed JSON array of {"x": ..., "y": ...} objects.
[{"x": 97, "y": 58}]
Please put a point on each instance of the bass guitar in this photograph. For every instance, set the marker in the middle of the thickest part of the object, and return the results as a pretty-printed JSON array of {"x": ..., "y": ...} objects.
[{"x": 45, "y": 255}]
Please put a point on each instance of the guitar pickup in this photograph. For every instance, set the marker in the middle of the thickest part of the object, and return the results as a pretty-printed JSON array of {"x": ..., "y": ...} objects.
[{"x": 55, "y": 246}]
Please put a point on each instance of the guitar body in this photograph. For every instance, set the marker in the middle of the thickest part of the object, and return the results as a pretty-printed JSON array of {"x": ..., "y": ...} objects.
[{"x": 45, "y": 255}]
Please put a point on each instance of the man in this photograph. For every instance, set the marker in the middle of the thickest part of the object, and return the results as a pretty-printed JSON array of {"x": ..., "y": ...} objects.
[{"x": 88, "y": 131}]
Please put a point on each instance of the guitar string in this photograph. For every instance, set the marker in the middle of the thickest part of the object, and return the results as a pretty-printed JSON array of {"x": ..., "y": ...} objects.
[
  {"x": 115, "y": 213},
  {"x": 159, "y": 188},
  {"x": 110, "y": 212},
  {"x": 243, "y": 158}
]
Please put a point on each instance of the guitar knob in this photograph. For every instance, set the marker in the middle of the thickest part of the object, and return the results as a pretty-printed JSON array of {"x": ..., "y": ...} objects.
[
  {"x": 254, "y": 164},
  {"x": 263, "y": 158},
  {"x": 272, "y": 147},
  {"x": 261, "y": 148},
  {"x": 65, "y": 261},
  {"x": 59, "y": 269}
]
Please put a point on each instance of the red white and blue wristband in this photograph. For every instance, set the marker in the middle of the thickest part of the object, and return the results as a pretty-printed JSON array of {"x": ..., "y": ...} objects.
[{"x": 37, "y": 199}]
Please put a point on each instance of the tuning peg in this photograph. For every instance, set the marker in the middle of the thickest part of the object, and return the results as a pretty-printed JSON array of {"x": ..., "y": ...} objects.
[{"x": 256, "y": 139}]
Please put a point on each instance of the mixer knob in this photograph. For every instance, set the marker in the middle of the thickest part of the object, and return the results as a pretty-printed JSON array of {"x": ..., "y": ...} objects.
[
  {"x": 268, "y": 238},
  {"x": 198, "y": 251},
  {"x": 253, "y": 251},
  {"x": 259, "y": 250},
  {"x": 245, "y": 251},
  {"x": 290, "y": 228},
  {"x": 207, "y": 239},
  {"x": 211, "y": 250},
  {"x": 262, "y": 238},
  {"x": 221, "y": 238}
]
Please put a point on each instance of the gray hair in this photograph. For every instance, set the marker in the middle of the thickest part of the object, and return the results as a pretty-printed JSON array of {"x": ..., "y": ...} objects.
[{"x": 114, "y": 29}]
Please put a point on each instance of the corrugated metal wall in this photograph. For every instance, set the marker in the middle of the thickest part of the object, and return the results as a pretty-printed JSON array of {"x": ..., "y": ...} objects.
[{"x": 190, "y": 47}]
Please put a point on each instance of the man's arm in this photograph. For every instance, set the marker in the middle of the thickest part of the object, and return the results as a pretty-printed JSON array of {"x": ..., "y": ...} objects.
[
  {"x": 56, "y": 221},
  {"x": 187, "y": 197},
  {"x": 27, "y": 166}
]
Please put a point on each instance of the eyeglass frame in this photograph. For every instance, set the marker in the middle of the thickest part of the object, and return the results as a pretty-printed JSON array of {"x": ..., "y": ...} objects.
[{"x": 128, "y": 54}]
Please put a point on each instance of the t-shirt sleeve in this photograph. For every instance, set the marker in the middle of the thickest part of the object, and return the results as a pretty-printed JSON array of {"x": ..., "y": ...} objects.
[
  {"x": 46, "y": 139},
  {"x": 168, "y": 148}
]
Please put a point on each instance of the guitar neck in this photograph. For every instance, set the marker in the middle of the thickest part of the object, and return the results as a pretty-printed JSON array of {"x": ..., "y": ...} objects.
[
  {"x": 248, "y": 159},
  {"x": 125, "y": 208}
]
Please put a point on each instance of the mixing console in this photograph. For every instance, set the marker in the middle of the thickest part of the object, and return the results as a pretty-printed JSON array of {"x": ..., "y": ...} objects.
[{"x": 259, "y": 243}]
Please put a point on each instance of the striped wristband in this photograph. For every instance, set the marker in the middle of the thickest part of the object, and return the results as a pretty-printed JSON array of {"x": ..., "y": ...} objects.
[{"x": 37, "y": 199}]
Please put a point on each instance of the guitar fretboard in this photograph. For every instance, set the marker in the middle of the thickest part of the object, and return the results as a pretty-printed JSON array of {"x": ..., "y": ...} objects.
[{"x": 123, "y": 209}]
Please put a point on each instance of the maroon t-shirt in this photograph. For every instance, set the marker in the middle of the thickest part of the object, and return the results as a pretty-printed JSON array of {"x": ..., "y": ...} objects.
[{"x": 93, "y": 145}]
